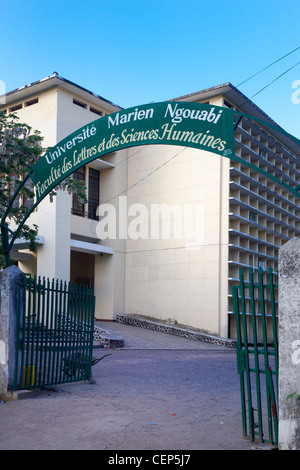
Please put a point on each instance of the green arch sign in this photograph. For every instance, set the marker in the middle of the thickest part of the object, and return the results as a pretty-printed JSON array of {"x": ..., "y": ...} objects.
[
  {"x": 201, "y": 126},
  {"x": 188, "y": 124}
]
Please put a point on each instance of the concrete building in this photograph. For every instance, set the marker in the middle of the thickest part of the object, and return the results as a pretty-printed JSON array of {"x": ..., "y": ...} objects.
[{"x": 186, "y": 219}]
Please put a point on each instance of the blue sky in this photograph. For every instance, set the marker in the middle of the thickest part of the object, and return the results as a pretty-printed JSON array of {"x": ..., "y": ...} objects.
[{"x": 139, "y": 51}]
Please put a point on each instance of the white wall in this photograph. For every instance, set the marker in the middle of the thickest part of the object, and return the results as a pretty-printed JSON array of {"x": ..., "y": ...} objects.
[{"x": 178, "y": 280}]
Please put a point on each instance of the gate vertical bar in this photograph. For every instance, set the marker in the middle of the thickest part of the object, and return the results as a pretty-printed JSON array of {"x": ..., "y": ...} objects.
[
  {"x": 46, "y": 319},
  {"x": 50, "y": 326},
  {"x": 62, "y": 376},
  {"x": 77, "y": 312},
  {"x": 37, "y": 329},
  {"x": 92, "y": 302},
  {"x": 70, "y": 327},
  {"x": 274, "y": 322},
  {"x": 32, "y": 339},
  {"x": 270, "y": 373},
  {"x": 246, "y": 355},
  {"x": 256, "y": 354},
  {"x": 42, "y": 339},
  {"x": 239, "y": 353},
  {"x": 57, "y": 331},
  {"x": 265, "y": 346},
  {"x": 80, "y": 313},
  {"x": 273, "y": 407}
]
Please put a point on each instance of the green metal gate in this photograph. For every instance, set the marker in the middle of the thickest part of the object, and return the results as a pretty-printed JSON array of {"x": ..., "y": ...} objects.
[
  {"x": 54, "y": 333},
  {"x": 254, "y": 303}
]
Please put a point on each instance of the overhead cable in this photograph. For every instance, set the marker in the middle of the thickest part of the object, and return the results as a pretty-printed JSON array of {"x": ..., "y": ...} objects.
[{"x": 268, "y": 66}]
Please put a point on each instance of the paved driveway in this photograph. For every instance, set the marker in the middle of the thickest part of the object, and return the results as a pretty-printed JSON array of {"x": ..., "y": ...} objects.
[{"x": 157, "y": 393}]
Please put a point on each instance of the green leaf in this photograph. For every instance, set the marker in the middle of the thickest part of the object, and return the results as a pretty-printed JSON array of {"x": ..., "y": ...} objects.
[{"x": 291, "y": 395}]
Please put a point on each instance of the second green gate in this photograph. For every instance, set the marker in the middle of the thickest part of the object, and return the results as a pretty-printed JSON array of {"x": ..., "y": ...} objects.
[{"x": 254, "y": 303}]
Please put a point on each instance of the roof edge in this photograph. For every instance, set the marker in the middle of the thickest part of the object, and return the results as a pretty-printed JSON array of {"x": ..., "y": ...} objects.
[{"x": 55, "y": 75}]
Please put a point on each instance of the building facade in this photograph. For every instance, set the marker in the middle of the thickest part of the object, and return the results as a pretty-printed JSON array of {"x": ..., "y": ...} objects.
[{"x": 179, "y": 222}]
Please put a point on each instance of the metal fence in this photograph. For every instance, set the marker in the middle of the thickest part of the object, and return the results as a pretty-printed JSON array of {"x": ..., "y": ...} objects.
[
  {"x": 54, "y": 333},
  {"x": 255, "y": 308}
]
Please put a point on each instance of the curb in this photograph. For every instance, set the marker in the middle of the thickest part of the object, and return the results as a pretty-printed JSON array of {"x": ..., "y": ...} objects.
[
  {"x": 107, "y": 339},
  {"x": 175, "y": 330}
]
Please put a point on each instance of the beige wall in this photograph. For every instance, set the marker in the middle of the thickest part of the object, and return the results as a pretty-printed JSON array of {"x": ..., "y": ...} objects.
[
  {"x": 71, "y": 117},
  {"x": 42, "y": 115},
  {"x": 179, "y": 280}
]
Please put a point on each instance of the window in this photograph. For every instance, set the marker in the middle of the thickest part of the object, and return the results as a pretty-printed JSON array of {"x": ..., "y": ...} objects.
[
  {"x": 227, "y": 104},
  {"x": 78, "y": 206},
  {"x": 263, "y": 154},
  {"x": 79, "y": 103},
  {"x": 96, "y": 111},
  {"x": 31, "y": 102},
  {"x": 252, "y": 216},
  {"x": 261, "y": 264},
  {"x": 93, "y": 193},
  {"x": 27, "y": 199},
  {"x": 13, "y": 185},
  {"x": 15, "y": 108}
]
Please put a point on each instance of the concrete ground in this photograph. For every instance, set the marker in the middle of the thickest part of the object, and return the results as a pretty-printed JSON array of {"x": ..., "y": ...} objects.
[{"x": 159, "y": 392}]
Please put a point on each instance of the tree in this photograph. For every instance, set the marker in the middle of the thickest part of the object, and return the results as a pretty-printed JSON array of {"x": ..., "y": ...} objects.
[{"x": 20, "y": 149}]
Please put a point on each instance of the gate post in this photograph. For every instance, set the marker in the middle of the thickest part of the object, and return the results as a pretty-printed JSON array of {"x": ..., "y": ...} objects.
[
  {"x": 289, "y": 346},
  {"x": 9, "y": 279}
]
